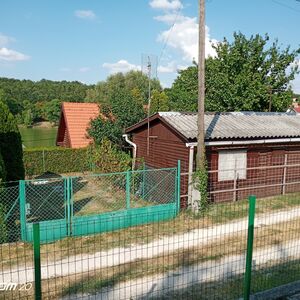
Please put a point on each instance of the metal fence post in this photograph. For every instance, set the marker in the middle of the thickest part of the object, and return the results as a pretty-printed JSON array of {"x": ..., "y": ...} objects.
[
  {"x": 247, "y": 286},
  {"x": 37, "y": 261},
  {"x": 128, "y": 189},
  {"x": 284, "y": 174},
  {"x": 22, "y": 199},
  {"x": 69, "y": 186},
  {"x": 144, "y": 177},
  {"x": 44, "y": 166},
  {"x": 178, "y": 186}
]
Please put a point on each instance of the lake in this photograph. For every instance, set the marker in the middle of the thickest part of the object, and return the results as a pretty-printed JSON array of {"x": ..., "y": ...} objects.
[{"x": 38, "y": 136}]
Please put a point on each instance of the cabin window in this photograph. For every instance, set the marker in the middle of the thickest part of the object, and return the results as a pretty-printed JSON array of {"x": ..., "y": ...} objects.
[{"x": 232, "y": 164}]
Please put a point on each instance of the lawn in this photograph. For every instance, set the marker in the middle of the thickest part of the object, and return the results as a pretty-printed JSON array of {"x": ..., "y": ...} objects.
[{"x": 14, "y": 254}]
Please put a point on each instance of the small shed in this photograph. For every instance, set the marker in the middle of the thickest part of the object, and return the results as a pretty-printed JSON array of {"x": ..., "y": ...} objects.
[
  {"x": 74, "y": 122},
  {"x": 247, "y": 152}
]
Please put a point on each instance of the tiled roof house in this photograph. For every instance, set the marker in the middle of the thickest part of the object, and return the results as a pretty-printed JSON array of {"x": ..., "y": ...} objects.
[{"x": 74, "y": 121}]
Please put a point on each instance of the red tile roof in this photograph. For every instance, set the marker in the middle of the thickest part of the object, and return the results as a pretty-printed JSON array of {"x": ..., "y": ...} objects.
[
  {"x": 78, "y": 117},
  {"x": 297, "y": 109}
]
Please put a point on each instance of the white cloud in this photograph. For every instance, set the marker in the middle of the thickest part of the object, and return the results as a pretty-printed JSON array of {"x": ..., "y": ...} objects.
[
  {"x": 122, "y": 66},
  {"x": 12, "y": 55},
  {"x": 84, "y": 69},
  {"x": 85, "y": 14},
  {"x": 183, "y": 36},
  {"x": 170, "y": 67},
  {"x": 295, "y": 63},
  {"x": 5, "y": 40},
  {"x": 166, "y": 4}
]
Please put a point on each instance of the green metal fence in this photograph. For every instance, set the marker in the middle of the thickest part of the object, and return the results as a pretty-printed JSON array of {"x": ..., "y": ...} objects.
[
  {"x": 69, "y": 205},
  {"x": 230, "y": 251}
]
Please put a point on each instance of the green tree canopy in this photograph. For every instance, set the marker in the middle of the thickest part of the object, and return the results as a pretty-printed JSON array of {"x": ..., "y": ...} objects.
[
  {"x": 52, "y": 110},
  {"x": 128, "y": 82},
  {"x": 10, "y": 145},
  {"x": 121, "y": 98},
  {"x": 22, "y": 95},
  {"x": 122, "y": 110},
  {"x": 159, "y": 102},
  {"x": 246, "y": 74}
]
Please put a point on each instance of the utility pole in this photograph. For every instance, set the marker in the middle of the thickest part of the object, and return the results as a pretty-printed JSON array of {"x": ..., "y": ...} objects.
[{"x": 201, "y": 87}]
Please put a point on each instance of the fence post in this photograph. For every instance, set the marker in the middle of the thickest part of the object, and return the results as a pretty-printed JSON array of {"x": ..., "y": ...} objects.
[
  {"x": 44, "y": 167},
  {"x": 37, "y": 261},
  {"x": 284, "y": 174},
  {"x": 144, "y": 177},
  {"x": 69, "y": 187},
  {"x": 251, "y": 215},
  {"x": 128, "y": 189},
  {"x": 22, "y": 199},
  {"x": 178, "y": 185}
]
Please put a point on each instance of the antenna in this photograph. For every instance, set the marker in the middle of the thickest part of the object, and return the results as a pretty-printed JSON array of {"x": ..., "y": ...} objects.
[{"x": 149, "y": 67}]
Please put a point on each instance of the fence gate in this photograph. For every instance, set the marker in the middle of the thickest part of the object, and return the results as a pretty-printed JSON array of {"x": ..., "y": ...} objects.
[
  {"x": 45, "y": 201},
  {"x": 90, "y": 204}
]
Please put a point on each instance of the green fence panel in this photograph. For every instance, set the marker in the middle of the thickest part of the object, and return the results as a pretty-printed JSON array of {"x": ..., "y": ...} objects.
[
  {"x": 118, "y": 220},
  {"x": 22, "y": 209}
]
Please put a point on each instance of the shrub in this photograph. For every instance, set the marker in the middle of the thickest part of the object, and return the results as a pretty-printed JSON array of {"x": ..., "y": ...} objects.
[
  {"x": 107, "y": 158},
  {"x": 3, "y": 231},
  {"x": 2, "y": 169},
  {"x": 10, "y": 145},
  {"x": 103, "y": 158},
  {"x": 57, "y": 160}
]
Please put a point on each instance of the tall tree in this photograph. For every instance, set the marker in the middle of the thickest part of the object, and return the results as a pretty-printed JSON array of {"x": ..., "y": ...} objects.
[
  {"x": 246, "y": 74},
  {"x": 122, "y": 110},
  {"x": 159, "y": 101},
  {"x": 10, "y": 145},
  {"x": 52, "y": 110},
  {"x": 128, "y": 82}
]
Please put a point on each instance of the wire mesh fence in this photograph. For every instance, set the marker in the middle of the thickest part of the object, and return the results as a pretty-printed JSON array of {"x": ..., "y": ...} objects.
[{"x": 192, "y": 255}]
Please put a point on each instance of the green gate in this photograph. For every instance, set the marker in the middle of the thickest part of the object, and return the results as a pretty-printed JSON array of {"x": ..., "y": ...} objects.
[{"x": 90, "y": 204}]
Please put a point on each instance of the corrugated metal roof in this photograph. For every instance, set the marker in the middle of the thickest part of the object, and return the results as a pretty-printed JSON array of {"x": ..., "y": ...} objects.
[{"x": 235, "y": 125}]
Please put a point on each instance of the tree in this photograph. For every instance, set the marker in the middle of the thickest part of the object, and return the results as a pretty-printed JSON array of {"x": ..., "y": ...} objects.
[
  {"x": 122, "y": 111},
  {"x": 128, "y": 82},
  {"x": 27, "y": 118},
  {"x": 10, "y": 145},
  {"x": 52, "y": 110},
  {"x": 159, "y": 102},
  {"x": 17, "y": 94},
  {"x": 246, "y": 74}
]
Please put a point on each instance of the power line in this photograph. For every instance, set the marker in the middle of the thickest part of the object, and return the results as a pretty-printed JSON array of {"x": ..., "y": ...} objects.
[
  {"x": 286, "y": 6},
  {"x": 169, "y": 35}
]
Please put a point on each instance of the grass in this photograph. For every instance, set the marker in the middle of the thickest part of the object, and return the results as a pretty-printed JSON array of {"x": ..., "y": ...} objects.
[
  {"x": 13, "y": 253},
  {"x": 234, "y": 244},
  {"x": 264, "y": 278}
]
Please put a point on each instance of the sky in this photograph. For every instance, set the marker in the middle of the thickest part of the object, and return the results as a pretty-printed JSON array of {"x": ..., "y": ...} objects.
[{"x": 87, "y": 40}]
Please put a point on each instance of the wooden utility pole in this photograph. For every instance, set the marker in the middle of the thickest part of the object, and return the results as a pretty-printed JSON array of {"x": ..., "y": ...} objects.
[{"x": 201, "y": 86}]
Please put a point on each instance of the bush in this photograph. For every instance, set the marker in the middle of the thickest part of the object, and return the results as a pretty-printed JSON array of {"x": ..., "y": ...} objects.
[
  {"x": 3, "y": 231},
  {"x": 56, "y": 160},
  {"x": 2, "y": 169},
  {"x": 103, "y": 158},
  {"x": 107, "y": 158},
  {"x": 10, "y": 145}
]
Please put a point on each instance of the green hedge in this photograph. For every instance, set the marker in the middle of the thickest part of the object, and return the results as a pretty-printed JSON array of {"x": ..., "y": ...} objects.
[
  {"x": 103, "y": 158},
  {"x": 57, "y": 160}
]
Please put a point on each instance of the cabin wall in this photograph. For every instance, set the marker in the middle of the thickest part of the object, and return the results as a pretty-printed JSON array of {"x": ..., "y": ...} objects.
[
  {"x": 165, "y": 149},
  {"x": 266, "y": 174}
]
